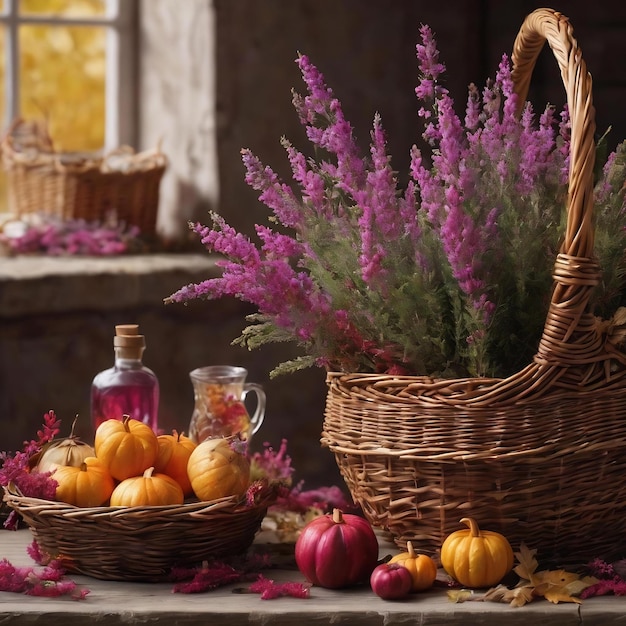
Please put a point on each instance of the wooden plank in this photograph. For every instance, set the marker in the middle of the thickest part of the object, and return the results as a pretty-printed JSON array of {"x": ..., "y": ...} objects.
[{"x": 140, "y": 603}]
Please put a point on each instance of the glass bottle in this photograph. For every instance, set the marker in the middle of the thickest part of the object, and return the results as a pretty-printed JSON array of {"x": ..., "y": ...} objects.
[{"x": 129, "y": 387}]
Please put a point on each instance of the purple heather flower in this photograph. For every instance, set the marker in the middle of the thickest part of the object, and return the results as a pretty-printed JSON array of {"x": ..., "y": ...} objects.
[
  {"x": 429, "y": 65},
  {"x": 263, "y": 277},
  {"x": 276, "y": 195},
  {"x": 310, "y": 181},
  {"x": 408, "y": 215},
  {"x": 278, "y": 245},
  {"x": 378, "y": 201},
  {"x": 564, "y": 149},
  {"x": 604, "y": 189},
  {"x": 472, "y": 110},
  {"x": 451, "y": 143},
  {"x": 504, "y": 82},
  {"x": 336, "y": 136}
]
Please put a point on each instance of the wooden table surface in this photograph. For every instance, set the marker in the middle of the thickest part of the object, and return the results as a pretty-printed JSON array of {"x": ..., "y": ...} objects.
[{"x": 149, "y": 603}]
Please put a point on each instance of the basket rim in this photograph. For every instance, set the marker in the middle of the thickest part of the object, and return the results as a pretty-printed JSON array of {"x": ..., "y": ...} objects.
[
  {"x": 75, "y": 162},
  {"x": 189, "y": 509}
]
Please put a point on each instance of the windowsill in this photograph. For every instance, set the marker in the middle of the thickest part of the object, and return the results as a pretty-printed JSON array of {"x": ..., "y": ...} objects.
[{"x": 33, "y": 285}]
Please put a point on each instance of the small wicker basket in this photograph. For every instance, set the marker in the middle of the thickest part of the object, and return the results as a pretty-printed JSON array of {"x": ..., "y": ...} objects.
[
  {"x": 539, "y": 456},
  {"x": 141, "y": 543},
  {"x": 80, "y": 186}
]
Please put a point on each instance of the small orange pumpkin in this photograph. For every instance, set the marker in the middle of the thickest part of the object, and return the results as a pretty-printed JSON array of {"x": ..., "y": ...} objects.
[
  {"x": 149, "y": 489},
  {"x": 127, "y": 447},
  {"x": 475, "y": 557},
  {"x": 173, "y": 456},
  {"x": 422, "y": 568},
  {"x": 215, "y": 470},
  {"x": 90, "y": 484}
]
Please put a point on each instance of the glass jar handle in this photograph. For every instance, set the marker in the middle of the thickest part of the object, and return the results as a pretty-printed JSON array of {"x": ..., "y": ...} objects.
[{"x": 259, "y": 414}]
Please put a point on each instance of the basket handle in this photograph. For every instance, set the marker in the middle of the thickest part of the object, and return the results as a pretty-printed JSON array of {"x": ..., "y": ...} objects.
[{"x": 570, "y": 334}]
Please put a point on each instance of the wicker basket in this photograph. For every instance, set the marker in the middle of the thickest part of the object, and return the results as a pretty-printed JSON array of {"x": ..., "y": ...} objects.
[
  {"x": 539, "y": 456},
  {"x": 141, "y": 543},
  {"x": 80, "y": 186}
]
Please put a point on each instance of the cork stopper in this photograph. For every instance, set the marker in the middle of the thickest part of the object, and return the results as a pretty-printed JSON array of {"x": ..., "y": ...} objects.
[
  {"x": 127, "y": 329},
  {"x": 128, "y": 343}
]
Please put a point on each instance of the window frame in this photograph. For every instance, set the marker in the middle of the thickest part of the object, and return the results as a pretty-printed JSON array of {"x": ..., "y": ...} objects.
[{"x": 120, "y": 21}]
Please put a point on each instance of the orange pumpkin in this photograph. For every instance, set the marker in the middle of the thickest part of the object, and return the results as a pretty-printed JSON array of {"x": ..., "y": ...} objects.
[
  {"x": 173, "y": 456},
  {"x": 215, "y": 470},
  {"x": 90, "y": 484},
  {"x": 149, "y": 489},
  {"x": 422, "y": 568},
  {"x": 476, "y": 558},
  {"x": 127, "y": 448}
]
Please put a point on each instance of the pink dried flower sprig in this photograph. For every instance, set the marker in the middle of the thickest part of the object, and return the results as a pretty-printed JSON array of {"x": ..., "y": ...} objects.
[
  {"x": 611, "y": 580},
  {"x": 271, "y": 464},
  {"x": 213, "y": 574},
  {"x": 270, "y": 589},
  {"x": 69, "y": 237},
  {"x": 47, "y": 581},
  {"x": 449, "y": 275},
  {"x": 14, "y": 468}
]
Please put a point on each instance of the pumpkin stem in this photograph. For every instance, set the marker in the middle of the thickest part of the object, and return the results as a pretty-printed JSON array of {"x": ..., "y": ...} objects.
[
  {"x": 73, "y": 426},
  {"x": 148, "y": 472},
  {"x": 337, "y": 516},
  {"x": 410, "y": 550},
  {"x": 125, "y": 420},
  {"x": 473, "y": 526}
]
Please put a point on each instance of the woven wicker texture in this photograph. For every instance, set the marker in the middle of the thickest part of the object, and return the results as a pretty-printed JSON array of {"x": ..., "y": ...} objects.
[
  {"x": 539, "y": 456},
  {"x": 80, "y": 186},
  {"x": 140, "y": 543}
]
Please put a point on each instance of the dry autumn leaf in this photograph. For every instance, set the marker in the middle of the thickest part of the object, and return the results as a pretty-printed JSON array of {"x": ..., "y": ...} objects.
[
  {"x": 553, "y": 585},
  {"x": 519, "y": 596}
]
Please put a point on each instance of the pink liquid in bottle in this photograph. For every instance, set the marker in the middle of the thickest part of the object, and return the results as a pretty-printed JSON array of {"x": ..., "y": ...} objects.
[{"x": 129, "y": 387}]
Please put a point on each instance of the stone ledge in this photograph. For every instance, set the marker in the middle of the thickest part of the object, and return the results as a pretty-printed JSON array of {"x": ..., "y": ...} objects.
[{"x": 34, "y": 285}]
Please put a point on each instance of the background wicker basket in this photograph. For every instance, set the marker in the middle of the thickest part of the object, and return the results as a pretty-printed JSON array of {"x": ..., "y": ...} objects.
[
  {"x": 80, "y": 186},
  {"x": 539, "y": 456},
  {"x": 141, "y": 543}
]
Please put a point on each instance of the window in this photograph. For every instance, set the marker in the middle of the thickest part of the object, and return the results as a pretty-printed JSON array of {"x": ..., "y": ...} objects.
[{"x": 71, "y": 62}]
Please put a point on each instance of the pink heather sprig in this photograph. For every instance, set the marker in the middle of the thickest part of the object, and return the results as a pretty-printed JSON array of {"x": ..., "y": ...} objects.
[
  {"x": 444, "y": 191},
  {"x": 472, "y": 109},
  {"x": 15, "y": 468},
  {"x": 270, "y": 590},
  {"x": 610, "y": 582},
  {"x": 326, "y": 126},
  {"x": 312, "y": 185},
  {"x": 50, "y": 429},
  {"x": 69, "y": 237},
  {"x": 380, "y": 209},
  {"x": 276, "y": 195},
  {"x": 431, "y": 68},
  {"x": 214, "y": 574},
  {"x": 48, "y": 581},
  {"x": 274, "y": 465},
  {"x": 265, "y": 278},
  {"x": 565, "y": 134},
  {"x": 35, "y": 552}
]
